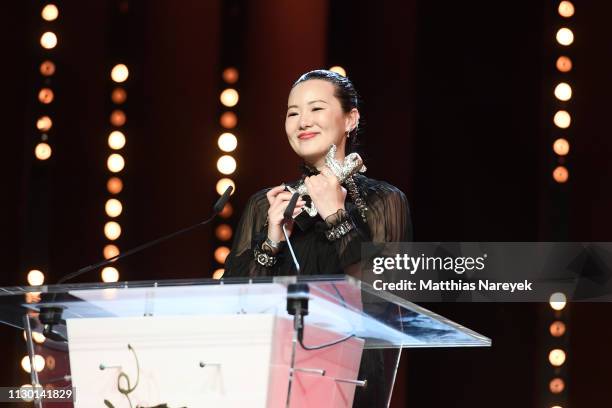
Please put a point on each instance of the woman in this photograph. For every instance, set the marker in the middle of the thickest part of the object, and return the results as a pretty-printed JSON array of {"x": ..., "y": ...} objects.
[{"x": 323, "y": 110}]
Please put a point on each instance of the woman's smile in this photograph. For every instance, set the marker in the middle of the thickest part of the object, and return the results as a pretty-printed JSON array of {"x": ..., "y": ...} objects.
[{"x": 307, "y": 135}]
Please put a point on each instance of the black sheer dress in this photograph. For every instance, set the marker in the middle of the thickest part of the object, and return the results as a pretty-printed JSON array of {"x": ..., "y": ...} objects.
[{"x": 388, "y": 220}]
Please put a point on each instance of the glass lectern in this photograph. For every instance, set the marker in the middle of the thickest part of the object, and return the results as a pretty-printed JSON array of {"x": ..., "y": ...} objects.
[{"x": 262, "y": 342}]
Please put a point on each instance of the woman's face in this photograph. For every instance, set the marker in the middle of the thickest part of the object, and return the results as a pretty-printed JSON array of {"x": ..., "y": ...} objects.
[{"x": 315, "y": 121}]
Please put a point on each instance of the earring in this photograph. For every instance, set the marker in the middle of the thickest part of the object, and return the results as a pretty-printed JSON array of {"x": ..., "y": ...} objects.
[{"x": 348, "y": 134}]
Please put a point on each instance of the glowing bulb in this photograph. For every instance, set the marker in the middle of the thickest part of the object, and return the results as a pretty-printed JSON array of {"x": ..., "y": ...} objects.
[
  {"x": 112, "y": 230},
  {"x": 230, "y": 75},
  {"x": 113, "y": 207},
  {"x": 44, "y": 123},
  {"x": 118, "y": 118},
  {"x": 556, "y": 385},
  {"x": 50, "y": 12},
  {"x": 227, "y": 211},
  {"x": 557, "y": 328},
  {"x": 563, "y": 91},
  {"x": 221, "y": 254},
  {"x": 36, "y": 277},
  {"x": 556, "y": 357},
  {"x": 39, "y": 363},
  {"x": 48, "y": 40},
  {"x": 118, "y": 96},
  {"x": 115, "y": 162},
  {"x": 558, "y": 300},
  {"x": 36, "y": 336},
  {"x": 338, "y": 70},
  {"x": 564, "y": 64},
  {"x": 27, "y": 393},
  {"x": 42, "y": 151},
  {"x": 561, "y": 146},
  {"x": 226, "y": 164},
  {"x": 110, "y": 274},
  {"x": 229, "y": 97},
  {"x": 45, "y": 96},
  {"x": 223, "y": 232},
  {"x": 116, "y": 140},
  {"x": 47, "y": 68},
  {"x": 50, "y": 362},
  {"x": 114, "y": 185},
  {"x": 560, "y": 174},
  {"x": 218, "y": 274},
  {"x": 228, "y": 120},
  {"x": 227, "y": 142},
  {"x": 110, "y": 251},
  {"x": 565, "y": 36},
  {"x": 32, "y": 297},
  {"x": 566, "y": 9},
  {"x": 120, "y": 73},
  {"x": 223, "y": 184},
  {"x": 562, "y": 119}
]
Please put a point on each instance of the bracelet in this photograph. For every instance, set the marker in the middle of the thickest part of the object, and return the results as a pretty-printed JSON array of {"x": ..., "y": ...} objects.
[
  {"x": 263, "y": 258},
  {"x": 336, "y": 218},
  {"x": 272, "y": 244},
  {"x": 339, "y": 230}
]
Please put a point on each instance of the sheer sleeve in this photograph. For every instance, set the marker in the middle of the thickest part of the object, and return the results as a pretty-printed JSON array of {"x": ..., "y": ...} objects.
[
  {"x": 388, "y": 220},
  {"x": 249, "y": 233},
  {"x": 389, "y": 217}
]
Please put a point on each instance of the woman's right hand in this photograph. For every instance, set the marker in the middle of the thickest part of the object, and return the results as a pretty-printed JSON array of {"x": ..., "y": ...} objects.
[{"x": 278, "y": 199}]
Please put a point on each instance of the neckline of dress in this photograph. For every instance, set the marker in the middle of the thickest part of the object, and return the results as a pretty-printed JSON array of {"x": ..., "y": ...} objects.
[{"x": 308, "y": 170}]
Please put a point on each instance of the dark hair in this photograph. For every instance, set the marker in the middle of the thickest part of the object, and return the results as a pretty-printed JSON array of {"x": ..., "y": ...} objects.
[{"x": 345, "y": 92}]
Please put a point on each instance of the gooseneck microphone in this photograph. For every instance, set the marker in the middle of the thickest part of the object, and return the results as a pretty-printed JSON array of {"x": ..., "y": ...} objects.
[
  {"x": 287, "y": 216},
  {"x": 217, "y": 208}
]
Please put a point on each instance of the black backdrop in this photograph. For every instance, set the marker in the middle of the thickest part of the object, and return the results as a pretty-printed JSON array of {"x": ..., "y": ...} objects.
[{"x": 458, "y": 106}]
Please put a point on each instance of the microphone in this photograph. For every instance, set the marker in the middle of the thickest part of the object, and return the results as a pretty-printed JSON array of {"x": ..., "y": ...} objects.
[
  {"x": 218, "y": 207},
  {"x": 51, "y": 315},
  {"x": 288, "y": 216}
]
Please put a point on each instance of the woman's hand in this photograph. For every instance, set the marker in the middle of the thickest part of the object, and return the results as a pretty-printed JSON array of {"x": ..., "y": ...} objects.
[
  {"x": 326, "y": 192},
  {"x": 279, "y": 199}
]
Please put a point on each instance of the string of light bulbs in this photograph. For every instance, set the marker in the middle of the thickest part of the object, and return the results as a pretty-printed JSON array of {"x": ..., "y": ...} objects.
[
  {"x": 556, "y": 358},
  {"x": 115, "y": 164},
  {"x": 227, "y": 143}
]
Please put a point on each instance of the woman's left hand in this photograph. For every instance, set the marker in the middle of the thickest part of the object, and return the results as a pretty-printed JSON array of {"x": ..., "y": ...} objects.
[{"x": 326, "y": 193}]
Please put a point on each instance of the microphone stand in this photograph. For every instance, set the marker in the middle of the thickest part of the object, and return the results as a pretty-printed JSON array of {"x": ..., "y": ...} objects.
[
  {"x": 287, "y": 216},
  {"x": 50, "y": 316}
]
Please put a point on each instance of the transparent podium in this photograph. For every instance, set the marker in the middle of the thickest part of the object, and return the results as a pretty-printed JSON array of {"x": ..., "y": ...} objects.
[{"x": 263, "y": 342}]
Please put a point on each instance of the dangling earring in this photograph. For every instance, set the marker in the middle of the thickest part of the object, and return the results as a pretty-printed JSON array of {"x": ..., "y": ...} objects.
[{"x": 348, "y": 132}]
